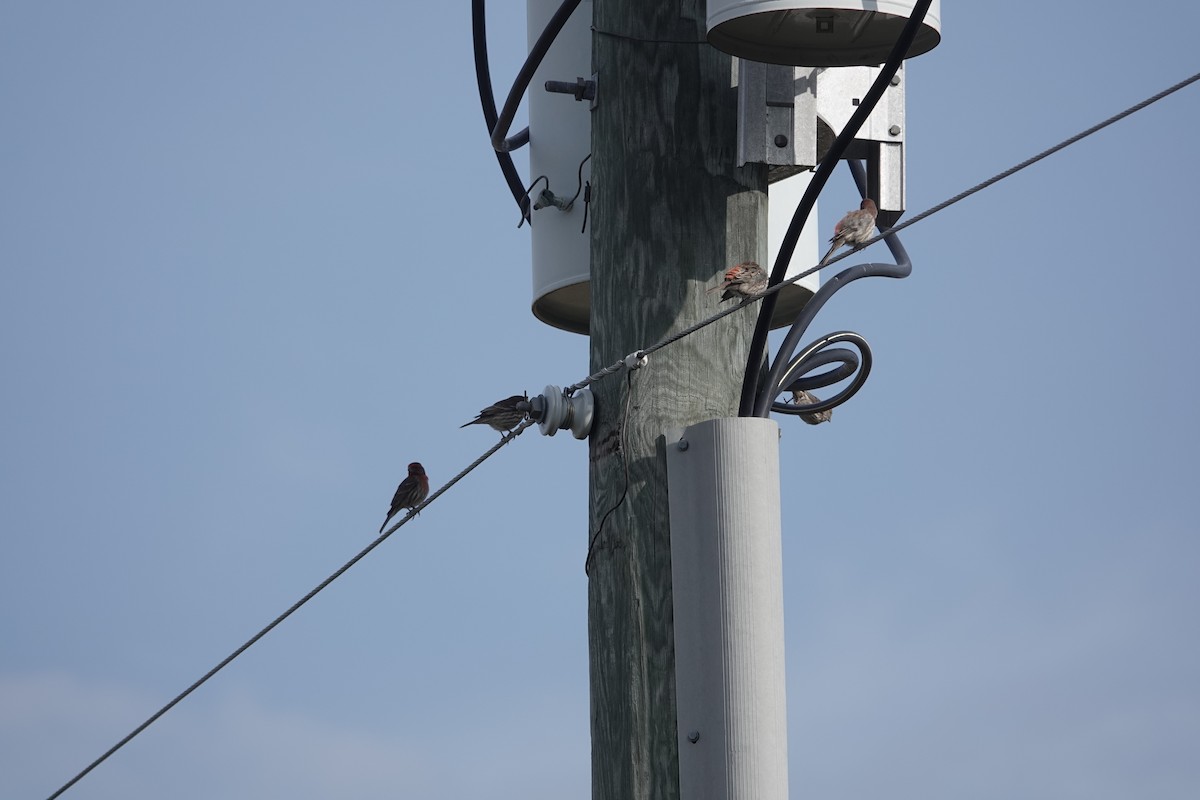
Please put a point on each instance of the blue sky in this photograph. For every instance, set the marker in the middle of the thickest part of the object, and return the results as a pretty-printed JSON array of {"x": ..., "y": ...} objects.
[{"x": 258, "y": 257}]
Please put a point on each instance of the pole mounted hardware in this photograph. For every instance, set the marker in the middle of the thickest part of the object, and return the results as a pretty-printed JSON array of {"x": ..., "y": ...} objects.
[
  {"x": 581, "y": 89},
  {"x": 554, "y": 412},
  {"x": 788, "y": 118}
]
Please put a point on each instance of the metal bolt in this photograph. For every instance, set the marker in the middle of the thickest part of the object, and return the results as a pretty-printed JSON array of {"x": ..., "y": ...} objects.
[
  {"x": 682, "y": 445},
  {"x": 895, "y": 80},
  {"x": 694, "y": 737},
  {"x": 583, "y": 90},
  {"x": 781, "y": 140},
  {"x": 894, "y": 130}
]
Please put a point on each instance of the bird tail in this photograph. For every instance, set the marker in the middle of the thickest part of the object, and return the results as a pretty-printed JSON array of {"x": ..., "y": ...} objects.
[
  {"x": 384, "y": 525},
  {"x": 465, "y": 424},
  {"x": 828, "y": 253}
]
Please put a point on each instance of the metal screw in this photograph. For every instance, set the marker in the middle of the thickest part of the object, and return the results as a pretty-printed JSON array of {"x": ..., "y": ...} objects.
[
  {"x": 895, "y": 80},
  {"x": 682, "y": 445},
  {"x": 894, "y": 130},
  {"x": 781, "y": 141},
  {"x": 694, "y": 737}
]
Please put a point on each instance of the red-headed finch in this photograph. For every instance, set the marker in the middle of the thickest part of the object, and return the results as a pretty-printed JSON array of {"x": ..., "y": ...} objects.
[
  {"x": 411, "y": 491},
  {"x": 742, "y": 280},
  {"x": 503, "y": 415},
  {"x": 854, "y": 228}
]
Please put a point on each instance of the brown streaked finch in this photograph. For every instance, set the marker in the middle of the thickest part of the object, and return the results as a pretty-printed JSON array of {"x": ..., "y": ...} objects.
[
  {"x": 803, "y": 398},
  {"x": 503, "y": 415},
  {"x": 409, "y": 494},
  {"x": 854, "y": 228},
  {"x": 742, "y": 280}
]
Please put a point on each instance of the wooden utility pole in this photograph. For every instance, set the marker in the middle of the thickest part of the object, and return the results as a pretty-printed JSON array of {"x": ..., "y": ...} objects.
[{"x": 670, "y": 212}]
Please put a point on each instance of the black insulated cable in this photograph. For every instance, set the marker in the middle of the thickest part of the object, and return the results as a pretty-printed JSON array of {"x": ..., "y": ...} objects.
[
  {"x": 532, "y": 62},
  {"x": 752, "y": 383},
  {"x": 781, "y": 377},
  {"x": 483, "y": 78}
]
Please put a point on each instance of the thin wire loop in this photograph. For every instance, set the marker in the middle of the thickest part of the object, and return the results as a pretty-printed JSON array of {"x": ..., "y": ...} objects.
[
  {"x": 525, "y": 196},
  {"x": 587, "y": 562}
]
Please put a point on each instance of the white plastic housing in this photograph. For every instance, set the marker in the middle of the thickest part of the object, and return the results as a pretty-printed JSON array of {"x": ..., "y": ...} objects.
[
  {"x": 727, "y": 582},
  {"x": 782, "y": 198},
  {"x": 819, "y": 33},
  {"x": 560, "y": 137}
]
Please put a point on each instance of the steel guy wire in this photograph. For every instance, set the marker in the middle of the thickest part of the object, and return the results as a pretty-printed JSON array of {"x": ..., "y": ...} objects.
[
  {"x": 295, "y": 606},
  {"x": 630, "y": 360}
]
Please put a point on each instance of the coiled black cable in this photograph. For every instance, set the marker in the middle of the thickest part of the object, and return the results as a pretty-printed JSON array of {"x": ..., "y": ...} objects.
[
  {"x": 785, "y": 370},
  {"x": 752, "y": 386}
]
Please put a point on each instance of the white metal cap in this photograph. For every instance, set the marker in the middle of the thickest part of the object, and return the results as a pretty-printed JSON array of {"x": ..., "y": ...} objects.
[{"x": 818, "y": 33}]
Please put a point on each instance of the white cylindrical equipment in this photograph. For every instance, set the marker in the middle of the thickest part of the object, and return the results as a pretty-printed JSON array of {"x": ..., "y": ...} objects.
[
  {"x": 560, "y": 138},
  {"x": 782, "y": 198},
  {"x": 727, "y": 581},
  {"x": 818, "y": 33}
]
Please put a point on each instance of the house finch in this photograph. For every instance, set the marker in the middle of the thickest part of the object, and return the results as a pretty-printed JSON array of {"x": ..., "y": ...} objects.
[
  {"x": 854, "y": 228},
  {"x": 409, "y": 494},
  {"x": 803, "y": 398},
  {"x": 503, "y": 415},
  {"x": 742, "y": 280}
]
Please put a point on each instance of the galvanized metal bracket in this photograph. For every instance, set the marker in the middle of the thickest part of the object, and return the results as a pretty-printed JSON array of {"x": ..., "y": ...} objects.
[
  {"x": 777, "y": 114},
  {"x": 789, "y": 116}
]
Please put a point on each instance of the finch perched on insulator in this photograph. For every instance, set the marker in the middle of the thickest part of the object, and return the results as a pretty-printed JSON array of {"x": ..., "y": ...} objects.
[
  {"x": 503, "y": 415},
  {"x": 854, "y": 228},
  {"x": 742, "y": 280},
  {"x": 410, "y": 493},
  {"x": 803, "y": 398}
]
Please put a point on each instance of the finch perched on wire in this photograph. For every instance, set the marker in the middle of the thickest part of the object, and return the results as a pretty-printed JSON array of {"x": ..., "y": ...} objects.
[
  {"x": 803, "y": 398},
  {"x": 854, "y": 228},
  {"x": 410, "y": 493},
  {"x": 503, "y": 415},
  {"x": 742, "y": 280}
]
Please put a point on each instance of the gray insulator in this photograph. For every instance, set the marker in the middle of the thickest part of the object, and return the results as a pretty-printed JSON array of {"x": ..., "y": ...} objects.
[{"x": 554, "y": 413}]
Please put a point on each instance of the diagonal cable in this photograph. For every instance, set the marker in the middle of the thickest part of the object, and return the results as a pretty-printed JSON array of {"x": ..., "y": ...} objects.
[
  {"x": 688, "y": 331},
  {"x": 295, "y": 606}
]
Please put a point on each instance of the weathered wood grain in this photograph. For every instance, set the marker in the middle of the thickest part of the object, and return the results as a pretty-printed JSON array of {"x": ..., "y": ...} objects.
[{"x": 670, "y": 212}]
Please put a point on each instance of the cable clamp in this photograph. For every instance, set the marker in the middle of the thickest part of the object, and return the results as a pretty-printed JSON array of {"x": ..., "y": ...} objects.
[{"x": 636, "y": 360}]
